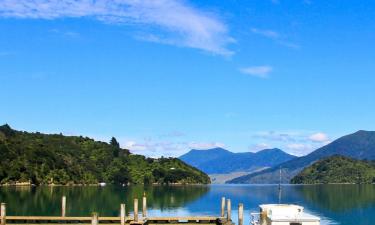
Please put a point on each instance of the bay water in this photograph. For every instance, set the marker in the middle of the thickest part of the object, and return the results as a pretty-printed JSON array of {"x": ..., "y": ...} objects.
[{"x": 335, "y": 204}]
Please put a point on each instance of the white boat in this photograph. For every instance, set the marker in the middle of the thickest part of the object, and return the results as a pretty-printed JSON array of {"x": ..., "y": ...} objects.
[{"x": 283, "y": 214}]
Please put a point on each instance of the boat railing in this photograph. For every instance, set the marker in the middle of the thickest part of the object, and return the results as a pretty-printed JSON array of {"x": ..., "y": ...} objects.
[{"x": 255, "y": 218}]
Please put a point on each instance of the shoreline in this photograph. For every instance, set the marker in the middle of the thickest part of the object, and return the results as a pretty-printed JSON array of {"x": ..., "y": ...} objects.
[
  {"x": 94, "y": 185},
  {"x": 173, "y": 184}
]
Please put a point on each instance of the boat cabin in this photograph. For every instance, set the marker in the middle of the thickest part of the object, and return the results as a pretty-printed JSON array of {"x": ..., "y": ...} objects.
[{"x": 282, "y": 214}]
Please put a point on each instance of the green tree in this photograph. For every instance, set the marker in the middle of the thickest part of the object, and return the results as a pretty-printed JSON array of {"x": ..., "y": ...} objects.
[
  {"x": 116, "y": 147},
  {"x": 118, "y": 172},
  {"x": 114, "y": 142}
]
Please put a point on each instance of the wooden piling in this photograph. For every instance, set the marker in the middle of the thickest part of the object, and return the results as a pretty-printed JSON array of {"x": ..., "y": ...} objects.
[
  {"x": 135, "y": 210},
  {"x": 63, "y": 206},
  {"x": 122, "y": 219},
  {"x": 3, "y": 213},
  {"x": 122, "y": 214},
  {"x": 222, "y": 212},
  {"x": 94, "y": 219},
  {"x": 240, "y": 214},
  {"x": 229, "y": 210},
  {"x": 144, "y": 206}
]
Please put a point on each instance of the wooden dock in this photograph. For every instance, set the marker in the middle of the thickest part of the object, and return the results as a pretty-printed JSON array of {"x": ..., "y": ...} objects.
[{"x": 136, "y": 218}]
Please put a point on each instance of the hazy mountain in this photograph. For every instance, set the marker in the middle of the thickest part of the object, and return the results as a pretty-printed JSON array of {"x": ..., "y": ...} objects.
[
  {"x": 360, "y": 145},
  {"x": 220, "y": 161}
]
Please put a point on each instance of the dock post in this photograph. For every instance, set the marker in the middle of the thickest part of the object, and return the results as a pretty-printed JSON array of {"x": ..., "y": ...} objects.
[
  {"x": 135, "y": 210},
  {"x": 144, "y": 206},
  {"x": 122, "y": 214},
  {"x": 94, "y": 219},
  {"x": 3, "y": 213},
  {"x": 240, "y": 214},
  {"x": 222, "y": 212},
  {"x": 229, "y": 208},
  {"x": 63, "y": 206}
]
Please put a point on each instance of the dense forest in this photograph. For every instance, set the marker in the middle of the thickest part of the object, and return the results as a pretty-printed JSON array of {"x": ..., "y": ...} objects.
[
  {"x": 46, "y": 159},
  {"x": 337, "y": 169}
]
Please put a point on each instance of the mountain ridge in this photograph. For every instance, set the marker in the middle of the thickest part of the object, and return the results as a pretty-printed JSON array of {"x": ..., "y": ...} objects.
[
  {"x": 222, "y": 161},
  {"x": 358, "y": 145}
]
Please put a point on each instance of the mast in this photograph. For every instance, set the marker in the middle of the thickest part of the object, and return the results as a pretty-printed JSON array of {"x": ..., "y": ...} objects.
[{"x": 280, "y": 185}]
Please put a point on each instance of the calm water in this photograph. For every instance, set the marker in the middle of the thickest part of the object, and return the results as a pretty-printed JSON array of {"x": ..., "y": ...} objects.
[{"x": 335, "y": 204}]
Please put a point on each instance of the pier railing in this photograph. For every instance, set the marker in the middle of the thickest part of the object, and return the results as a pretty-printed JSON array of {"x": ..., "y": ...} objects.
[{"x": 225, "y": 217}]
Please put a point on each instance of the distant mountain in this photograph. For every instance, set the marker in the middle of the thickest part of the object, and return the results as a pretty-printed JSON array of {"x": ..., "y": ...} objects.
[
  {"x": 360, "y": 145},
  {"x": 337, "y": 169},
  {"x": 221, "y": 161}
]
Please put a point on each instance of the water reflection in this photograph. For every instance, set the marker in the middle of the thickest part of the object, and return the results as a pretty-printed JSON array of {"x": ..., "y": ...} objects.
[
  {"x": 339, "y": 198},
  {"x": 81, "y": 201},
  {"x": 335, "y": 204}
]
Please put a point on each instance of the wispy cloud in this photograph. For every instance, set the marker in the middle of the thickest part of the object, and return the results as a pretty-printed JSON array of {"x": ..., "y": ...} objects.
[
  {"x": 258, "y": 147},
  {"x": 319, "y": 137},
  {"x": 154, "y": 148},
  {"x": 257, "y": 71},
  {"x": 176, "y": 22},
  {"x": 300, "y": 149},
  {"x": 173, "y": 134},
  {"x": 275, "y": 36},
  {"x": 158, "y": 147},
  {"x": 266, "y": 33},
  {"x": 69, "y": 34},
  {"x": 205, "y": 145},
  {"x": 295, "y": 142},
  {"x": 308, "y": 2}
]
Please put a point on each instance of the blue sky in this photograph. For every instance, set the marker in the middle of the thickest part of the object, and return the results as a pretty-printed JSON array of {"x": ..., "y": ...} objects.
[{"x": 167, "y": 76}]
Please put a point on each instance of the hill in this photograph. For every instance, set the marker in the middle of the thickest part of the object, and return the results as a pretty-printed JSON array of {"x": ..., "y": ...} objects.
[
  {"x": 359, "y": 145},
  {"x": 55, "y": 158},
  {"x": 221, "y": 161},
  {"x": 337, "y": 169}
]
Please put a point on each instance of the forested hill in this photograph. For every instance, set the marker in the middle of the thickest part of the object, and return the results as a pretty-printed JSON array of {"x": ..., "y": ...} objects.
[
  {"x": 58, "y": 159},
  {"x": 337, "y": 169}
]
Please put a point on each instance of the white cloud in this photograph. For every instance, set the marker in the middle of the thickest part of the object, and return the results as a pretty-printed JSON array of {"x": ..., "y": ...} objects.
[
  {"x": 205, "y": 145},
  {"x": 299, "y": 149},
  {"x": 152, "y": 148},
  {"x": 257, "y": 71},
  {"x": 259, "y": 147},
  {"x": 176, "y": 22},
  {"x": 294, "y": 142},
  {"x": 157, "y": 148},
  {"x": 319, "y": 137},
  {"x": 296, "y": 146}
]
